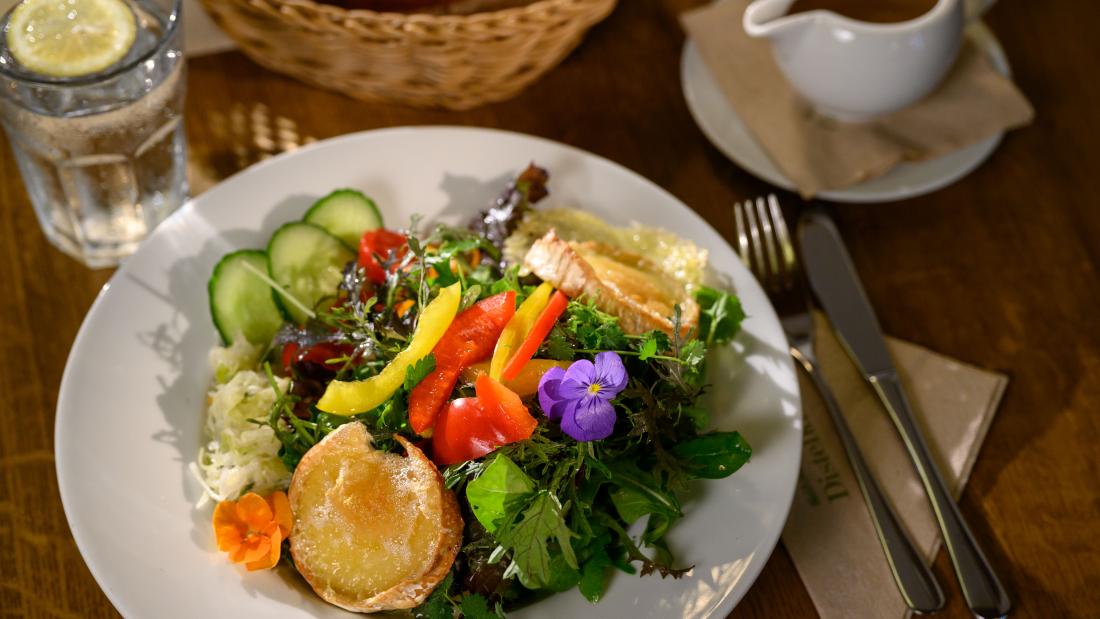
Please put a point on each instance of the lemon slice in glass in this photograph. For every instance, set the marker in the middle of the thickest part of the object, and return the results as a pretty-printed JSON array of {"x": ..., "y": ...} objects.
[{"x": 70, "y": 38}]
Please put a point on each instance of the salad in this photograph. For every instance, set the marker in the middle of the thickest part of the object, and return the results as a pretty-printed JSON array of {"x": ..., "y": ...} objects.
[{"x": 460, "y": 421}]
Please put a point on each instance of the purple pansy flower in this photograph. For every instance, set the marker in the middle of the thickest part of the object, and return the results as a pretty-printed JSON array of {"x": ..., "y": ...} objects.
[{"x": 581, "y": 396}]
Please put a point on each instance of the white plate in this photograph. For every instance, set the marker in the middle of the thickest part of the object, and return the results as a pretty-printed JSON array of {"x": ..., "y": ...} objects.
[
  {"x": 724, "y": 128},
  {"x": 130, "y": 410}
]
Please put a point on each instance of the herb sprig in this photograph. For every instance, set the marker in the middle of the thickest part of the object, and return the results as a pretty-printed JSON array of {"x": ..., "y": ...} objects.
[
  {"x": 547, "y": 513},
  {"x": 559, "y": 512}
]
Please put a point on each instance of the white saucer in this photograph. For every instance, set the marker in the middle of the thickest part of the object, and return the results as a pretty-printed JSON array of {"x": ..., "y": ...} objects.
[{"x": 718, "y": 120}]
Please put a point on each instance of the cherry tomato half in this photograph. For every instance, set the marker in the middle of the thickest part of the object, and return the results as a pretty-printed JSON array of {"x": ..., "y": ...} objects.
[{"x": 380, "y": 242}]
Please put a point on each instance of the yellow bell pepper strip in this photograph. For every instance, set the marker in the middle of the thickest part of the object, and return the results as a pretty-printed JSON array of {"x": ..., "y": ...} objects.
[
  {"x": 351, "y": 397},
  {"x": 539, "y": 330},
  {"x": 526, "y": 382},
  {"x": 518, "y": 327}
]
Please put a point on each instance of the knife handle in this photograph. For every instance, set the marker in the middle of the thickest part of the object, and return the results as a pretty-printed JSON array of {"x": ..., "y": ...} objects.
[
  {"x": 914, "y": 579},
  {"x": 983, "y": 591}
]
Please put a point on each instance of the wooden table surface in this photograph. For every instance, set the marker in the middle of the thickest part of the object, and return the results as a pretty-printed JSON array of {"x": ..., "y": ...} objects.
[{"x": 999, "y": 270}]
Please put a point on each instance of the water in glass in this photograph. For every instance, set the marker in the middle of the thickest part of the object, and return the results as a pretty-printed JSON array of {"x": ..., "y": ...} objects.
[{"x": 103, "y": 156}]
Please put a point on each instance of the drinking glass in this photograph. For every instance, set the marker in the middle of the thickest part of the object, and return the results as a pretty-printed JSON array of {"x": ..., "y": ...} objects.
[{"x": 103, "y": 155}]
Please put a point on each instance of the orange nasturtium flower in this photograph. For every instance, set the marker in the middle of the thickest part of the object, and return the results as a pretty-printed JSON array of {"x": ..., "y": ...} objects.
[{"x": 253, "y": 528}]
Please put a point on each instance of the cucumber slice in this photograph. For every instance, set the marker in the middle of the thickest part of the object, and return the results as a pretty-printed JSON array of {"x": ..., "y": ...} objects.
[
  {"x": 345, "y": 214},
  {"x": 241, "y": 302},
  {"x": 308, "y": 262}
]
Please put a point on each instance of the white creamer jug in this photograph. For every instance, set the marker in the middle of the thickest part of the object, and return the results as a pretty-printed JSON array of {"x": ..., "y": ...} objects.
[{"x": 854, "y": 70}]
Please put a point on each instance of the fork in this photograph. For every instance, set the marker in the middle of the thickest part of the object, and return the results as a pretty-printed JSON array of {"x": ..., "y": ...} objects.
[{"x": 765, "y": 246}]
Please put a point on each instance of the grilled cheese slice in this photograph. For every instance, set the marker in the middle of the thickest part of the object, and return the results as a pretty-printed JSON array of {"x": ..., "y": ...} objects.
[{"x": 617, "y": 281}]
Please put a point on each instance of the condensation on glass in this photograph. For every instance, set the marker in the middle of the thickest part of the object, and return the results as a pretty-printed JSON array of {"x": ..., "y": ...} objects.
[{"x": 103, "y": 156}]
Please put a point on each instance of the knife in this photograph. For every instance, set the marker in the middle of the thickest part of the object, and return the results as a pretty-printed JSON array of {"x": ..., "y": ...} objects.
[{"x": 836, "y": 284}]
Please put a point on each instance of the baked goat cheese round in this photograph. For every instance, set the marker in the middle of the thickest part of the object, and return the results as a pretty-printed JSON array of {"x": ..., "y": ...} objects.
[{"x": 373, "y": 531}]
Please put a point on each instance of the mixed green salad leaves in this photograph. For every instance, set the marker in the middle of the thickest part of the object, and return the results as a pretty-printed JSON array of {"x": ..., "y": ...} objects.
[{"x": 548, "y": 513}]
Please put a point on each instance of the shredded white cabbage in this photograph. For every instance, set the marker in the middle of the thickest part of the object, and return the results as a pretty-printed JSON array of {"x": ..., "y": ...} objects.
[
  {"x": 229, "y": 360},
  {"x": 242, "y": 452}
]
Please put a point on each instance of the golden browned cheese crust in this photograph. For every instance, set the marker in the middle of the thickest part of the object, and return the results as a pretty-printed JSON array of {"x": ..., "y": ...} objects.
[
  {"x": 618, "y": 282},
  {"x": 373, "y": 531}
]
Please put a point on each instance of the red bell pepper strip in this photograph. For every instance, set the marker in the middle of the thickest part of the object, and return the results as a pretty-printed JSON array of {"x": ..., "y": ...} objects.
[
  {"x": 473, "y": 427},
  {"x": 518, "y": 328},
  {"x": 379, "y": 242},
  {"x": 505, "y": 408},
  {"x": 538, "y": 333},
  {"x": 462, "y": 433},
  {"x": 469, "y": 339}
]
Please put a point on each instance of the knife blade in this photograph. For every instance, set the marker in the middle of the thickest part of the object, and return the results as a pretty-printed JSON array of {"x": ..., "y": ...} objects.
[
  {"x": 833, "y": 279},
  {"x": 836, "y": 285}
]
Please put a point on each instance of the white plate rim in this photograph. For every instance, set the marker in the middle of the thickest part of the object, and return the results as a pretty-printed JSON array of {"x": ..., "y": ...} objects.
[{"x": 751, "y": 569}]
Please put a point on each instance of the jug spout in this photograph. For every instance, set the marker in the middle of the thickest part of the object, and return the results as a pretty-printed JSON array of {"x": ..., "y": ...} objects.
[{"x": 768, "y": 18}]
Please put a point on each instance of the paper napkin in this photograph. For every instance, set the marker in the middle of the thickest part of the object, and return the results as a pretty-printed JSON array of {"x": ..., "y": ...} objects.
[{"x": 829, "y": 534}]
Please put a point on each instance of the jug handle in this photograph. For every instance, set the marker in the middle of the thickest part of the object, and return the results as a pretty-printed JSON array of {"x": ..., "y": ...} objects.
[{"x": 976, "y": 8}]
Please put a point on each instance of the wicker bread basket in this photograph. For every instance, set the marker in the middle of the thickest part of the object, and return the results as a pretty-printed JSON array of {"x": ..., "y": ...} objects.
[{"x": 428, "y": 60}]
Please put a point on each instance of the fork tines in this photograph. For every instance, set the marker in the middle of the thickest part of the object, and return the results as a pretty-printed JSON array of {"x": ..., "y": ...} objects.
[{"x": 764, "y": 242}]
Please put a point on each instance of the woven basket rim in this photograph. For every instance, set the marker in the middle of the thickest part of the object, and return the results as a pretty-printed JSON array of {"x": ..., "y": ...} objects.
[{"x": 336, "y": 13}]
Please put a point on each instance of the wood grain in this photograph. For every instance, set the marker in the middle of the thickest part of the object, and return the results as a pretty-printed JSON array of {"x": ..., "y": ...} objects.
[{"x": 1000, "y": 270}]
